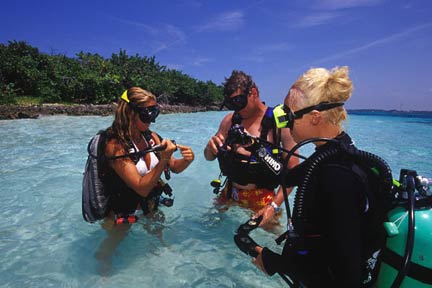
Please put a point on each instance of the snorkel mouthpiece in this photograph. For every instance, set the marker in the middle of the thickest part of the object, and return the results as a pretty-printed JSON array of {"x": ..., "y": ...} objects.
[{"x": 280, "y": 116}]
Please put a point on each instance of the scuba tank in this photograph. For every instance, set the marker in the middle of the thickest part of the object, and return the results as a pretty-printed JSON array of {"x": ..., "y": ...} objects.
[{"x": 407, "y": 258}]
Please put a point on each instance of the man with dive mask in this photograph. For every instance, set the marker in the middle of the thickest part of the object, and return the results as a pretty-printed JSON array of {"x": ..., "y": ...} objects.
[
  {"x": 248, "y": 181},
  {"x": 237, "y": 102}
]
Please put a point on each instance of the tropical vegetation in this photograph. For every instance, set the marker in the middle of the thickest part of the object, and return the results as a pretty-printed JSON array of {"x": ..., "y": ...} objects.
[{"x": 26, "y": 74}]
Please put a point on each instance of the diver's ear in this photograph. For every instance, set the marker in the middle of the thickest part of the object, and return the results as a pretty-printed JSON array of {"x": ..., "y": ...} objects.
[
  {"x": 253, "y": 92},
  {"x": 316, "y": 117}
]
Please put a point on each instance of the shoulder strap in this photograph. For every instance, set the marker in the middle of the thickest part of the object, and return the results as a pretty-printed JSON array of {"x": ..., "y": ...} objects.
[
  {"x": 268, "y": 123},
  {"x": 236, "y": 119},
  {"x": 148, "y": 136}
]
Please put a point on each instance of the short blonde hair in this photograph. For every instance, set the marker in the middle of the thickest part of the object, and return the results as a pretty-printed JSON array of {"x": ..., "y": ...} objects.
[{"x": 321, "y": 85}]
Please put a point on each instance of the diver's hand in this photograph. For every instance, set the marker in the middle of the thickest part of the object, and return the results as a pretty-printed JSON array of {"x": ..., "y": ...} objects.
[
  {"x": 267, "y": 213},
  {"x": 186, "y": 153},
  {"x": 258, "y": 261},
  {"x": 213, "y": 146},
  {"x": 169, "y": 150}
]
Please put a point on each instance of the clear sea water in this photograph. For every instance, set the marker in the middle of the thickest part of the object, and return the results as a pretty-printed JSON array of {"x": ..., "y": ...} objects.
[{"x": 44, "y": 241}]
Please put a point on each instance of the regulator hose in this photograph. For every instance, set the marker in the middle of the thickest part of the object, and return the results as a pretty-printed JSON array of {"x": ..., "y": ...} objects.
[
  {"x": 376, "y": 163},
  {"x": 410, "y": 237}
]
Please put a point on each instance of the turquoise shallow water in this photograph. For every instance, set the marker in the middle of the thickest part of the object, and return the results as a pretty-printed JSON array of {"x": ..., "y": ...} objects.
[{"x": 44, "y": 242}]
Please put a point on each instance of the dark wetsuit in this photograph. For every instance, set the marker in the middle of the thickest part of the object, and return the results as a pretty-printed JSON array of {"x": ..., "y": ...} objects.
[{"x": 342, "y": 234}]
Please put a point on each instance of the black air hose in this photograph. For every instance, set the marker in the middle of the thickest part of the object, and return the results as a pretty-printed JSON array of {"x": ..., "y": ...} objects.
[
  {"x": 299, "y": 200},
  {"x": 362, "y": 157}
]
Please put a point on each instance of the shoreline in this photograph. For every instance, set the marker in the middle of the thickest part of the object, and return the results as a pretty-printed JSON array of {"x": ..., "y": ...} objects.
[{"x": 10, "y": 112}]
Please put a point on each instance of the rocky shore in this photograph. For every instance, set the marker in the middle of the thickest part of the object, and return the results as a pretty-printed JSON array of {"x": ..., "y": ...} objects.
[{"x": 34, "y": 111}]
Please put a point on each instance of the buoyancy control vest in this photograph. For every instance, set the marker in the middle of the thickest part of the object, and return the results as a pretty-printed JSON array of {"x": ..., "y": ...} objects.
[
  {"x": 103, "y": 190},
  {"x": 245, "y": 170},
  {"x": 376, "y": 181},
  {"x": 125, "y": 199},
  {"x": 373, "y": 170}
]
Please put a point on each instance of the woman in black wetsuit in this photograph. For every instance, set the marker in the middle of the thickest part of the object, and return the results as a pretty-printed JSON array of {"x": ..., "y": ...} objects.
[{"x": 341, "y": 231}]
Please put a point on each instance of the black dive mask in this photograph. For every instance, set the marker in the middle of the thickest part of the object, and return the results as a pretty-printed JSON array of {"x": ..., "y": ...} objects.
[
  {"x": 148, "y": 114},
  {"x": 237, "y": 102},
  {"x": 284, "y": 117}
]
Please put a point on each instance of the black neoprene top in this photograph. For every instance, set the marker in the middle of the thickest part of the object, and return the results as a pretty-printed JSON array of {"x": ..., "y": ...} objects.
[{"x": 342, "y": 234}]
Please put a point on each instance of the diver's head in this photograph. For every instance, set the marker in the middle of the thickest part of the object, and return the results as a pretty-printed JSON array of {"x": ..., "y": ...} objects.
[
  {"x": 136, "y": 109},
  {"x": 239, "y": 91},
  {"x": 314, "y": 104}
]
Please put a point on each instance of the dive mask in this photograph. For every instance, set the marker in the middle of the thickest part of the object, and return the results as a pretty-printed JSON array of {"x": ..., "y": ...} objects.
[
  {"x": 284, "y": 117},
  {"x": 148, "y": 114},
  {"x": 237, "y": 102}
]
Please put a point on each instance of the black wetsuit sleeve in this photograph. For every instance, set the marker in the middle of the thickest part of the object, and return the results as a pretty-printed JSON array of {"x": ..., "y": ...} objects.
[{"x": 343, "y": 198}]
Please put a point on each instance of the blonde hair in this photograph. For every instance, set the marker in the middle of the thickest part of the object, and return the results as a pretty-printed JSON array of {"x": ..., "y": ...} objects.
[
  {"x": 122, "y": 125},
  {"x": 321, "y": 85}
]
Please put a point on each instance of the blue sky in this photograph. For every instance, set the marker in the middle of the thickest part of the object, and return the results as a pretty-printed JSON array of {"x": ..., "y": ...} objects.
[{"x": 386, "y": 43}]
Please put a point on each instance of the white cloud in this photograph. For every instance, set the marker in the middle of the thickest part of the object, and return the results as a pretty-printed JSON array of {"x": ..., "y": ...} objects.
[
  {"x": 175, "y": 33},
  {"x": 317, "y": 19},
  {"x": 228, "y": 21},
  {"x": 200, "y": 61},
  {"x": 343, "y": 4},
  {"x": 376, "y": 43},
  {"x": 163, "y": 36},
  {"x": 167, "y": 37},
  {"x": 150, "y": 29},
  {"x": 261, "y": 53}
]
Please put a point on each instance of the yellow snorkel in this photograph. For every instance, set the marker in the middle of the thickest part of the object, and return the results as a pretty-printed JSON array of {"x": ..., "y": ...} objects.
[
  {"x": 124, "y": 96},
  {"x": 280, "y": 116}
]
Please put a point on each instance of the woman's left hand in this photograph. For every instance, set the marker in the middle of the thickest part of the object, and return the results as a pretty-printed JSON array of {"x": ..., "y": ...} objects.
[{"x": 186, "y": 153}]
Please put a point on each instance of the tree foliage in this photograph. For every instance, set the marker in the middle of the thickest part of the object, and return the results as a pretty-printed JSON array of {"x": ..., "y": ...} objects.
[{"x": 91, "y": 78}]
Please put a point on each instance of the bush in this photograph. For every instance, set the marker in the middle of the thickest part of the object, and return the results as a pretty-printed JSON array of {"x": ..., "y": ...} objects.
[{"x": 92, "y": 79}]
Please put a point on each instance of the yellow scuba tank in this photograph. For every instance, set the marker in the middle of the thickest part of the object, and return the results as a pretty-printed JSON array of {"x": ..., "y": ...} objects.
[{"x": 407, "y": 259}]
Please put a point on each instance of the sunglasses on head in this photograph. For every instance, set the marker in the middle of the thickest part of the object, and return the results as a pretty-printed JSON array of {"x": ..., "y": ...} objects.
[
  {"x": 284, "y": 117},
  {"x": 148, "y": 114}
]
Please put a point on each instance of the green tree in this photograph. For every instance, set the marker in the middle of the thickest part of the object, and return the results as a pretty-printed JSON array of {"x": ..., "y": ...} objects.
[{"x": 90, "y": 78}]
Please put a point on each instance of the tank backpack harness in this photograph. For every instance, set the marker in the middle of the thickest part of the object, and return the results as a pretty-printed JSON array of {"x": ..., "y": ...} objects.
[
  {"x": 374, "y": 171},
  {"x": 267, "y": 124},
  {"x": 95, "y": 197}
]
